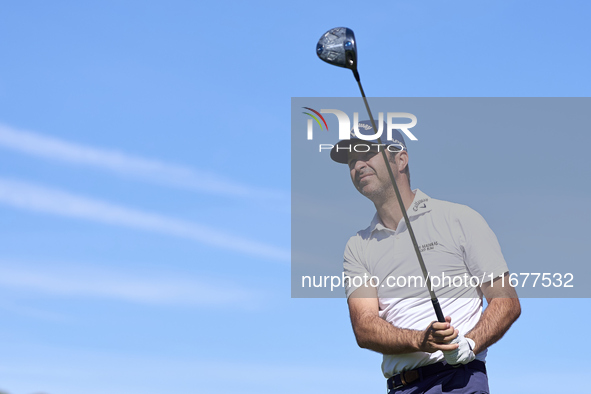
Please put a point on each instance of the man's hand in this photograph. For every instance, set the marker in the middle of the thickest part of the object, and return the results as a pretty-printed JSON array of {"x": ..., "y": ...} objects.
[
  {"x": 439, "y": 336},
  {"x": 374, "y": 333},
  {"x": 463, "y": 354}
]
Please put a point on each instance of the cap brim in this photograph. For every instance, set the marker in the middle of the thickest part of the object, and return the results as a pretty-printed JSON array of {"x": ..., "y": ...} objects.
[{"x": 340, "y": 152}]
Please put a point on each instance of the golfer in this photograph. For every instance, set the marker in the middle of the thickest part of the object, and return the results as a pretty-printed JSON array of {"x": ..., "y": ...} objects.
[{"x": 390, "y": 310}]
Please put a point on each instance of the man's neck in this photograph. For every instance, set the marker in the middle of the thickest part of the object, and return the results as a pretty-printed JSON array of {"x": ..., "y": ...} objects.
[{"x": 389, "y": 209}]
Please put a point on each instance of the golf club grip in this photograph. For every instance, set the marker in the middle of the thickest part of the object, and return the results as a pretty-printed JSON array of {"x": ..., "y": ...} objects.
[{"x": 438, "y": 311}]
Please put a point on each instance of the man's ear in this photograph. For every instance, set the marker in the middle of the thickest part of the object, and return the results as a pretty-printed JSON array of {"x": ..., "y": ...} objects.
[{"x": 402, "y": 160}]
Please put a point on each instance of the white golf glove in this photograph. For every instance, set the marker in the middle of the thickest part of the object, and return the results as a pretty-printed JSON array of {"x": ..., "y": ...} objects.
[{"x": 463, "y": 354}]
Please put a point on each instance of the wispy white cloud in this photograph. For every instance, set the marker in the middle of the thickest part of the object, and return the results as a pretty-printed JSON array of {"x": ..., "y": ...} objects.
[
  {"x": 34, "y": 197},
  {"x": 102, "y": 283},
  {"x": 126, "y": 164}
]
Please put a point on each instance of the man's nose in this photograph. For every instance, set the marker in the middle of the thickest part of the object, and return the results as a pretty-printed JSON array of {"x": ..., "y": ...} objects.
[{"x": 360, "y": 164}]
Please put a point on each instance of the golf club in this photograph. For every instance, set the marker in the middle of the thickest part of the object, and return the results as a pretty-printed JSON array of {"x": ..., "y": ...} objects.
[{"x": 338, "y": 47}]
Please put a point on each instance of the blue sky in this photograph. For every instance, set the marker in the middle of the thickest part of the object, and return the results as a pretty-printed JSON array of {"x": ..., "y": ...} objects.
[{"x": 145, "y": 186}]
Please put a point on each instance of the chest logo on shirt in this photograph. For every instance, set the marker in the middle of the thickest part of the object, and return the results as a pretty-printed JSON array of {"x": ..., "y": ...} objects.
[{"x": 428, "y": 246}]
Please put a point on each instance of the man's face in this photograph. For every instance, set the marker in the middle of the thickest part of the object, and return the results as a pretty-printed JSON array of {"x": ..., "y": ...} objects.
[{"x": 369, "y": 173}]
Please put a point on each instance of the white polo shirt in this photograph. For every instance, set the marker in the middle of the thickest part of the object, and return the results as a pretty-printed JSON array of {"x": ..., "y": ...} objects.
[{"x": 455, "y": 242}]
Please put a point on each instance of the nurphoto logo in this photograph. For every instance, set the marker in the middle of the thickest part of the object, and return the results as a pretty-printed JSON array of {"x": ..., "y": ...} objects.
[{"x": 346, "y": 132}]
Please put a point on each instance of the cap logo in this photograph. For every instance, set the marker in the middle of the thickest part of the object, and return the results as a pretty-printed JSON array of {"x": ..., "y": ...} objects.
[{"x": 364, "y": 126}]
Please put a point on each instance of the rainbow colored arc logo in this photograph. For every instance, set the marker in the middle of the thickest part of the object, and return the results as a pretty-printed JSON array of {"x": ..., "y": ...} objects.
[{"x": 315, "y": 118}]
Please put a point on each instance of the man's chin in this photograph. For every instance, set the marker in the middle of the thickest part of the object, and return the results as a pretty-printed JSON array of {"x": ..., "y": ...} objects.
[
  {"x": 367, "y": 191},
  {"x": 364, "y": 184}
]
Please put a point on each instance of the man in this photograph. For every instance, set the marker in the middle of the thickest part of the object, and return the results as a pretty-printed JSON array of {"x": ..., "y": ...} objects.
[{"x": 395, "y": 318}]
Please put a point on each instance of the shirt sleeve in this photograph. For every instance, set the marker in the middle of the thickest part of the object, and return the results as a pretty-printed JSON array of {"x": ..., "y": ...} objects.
[
  {"x": 354, "y": 266},
  {"x": 479, "y": 244}
]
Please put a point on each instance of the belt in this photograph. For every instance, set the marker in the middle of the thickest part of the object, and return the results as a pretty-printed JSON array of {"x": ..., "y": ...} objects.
[{"x": 407, "y": 377}]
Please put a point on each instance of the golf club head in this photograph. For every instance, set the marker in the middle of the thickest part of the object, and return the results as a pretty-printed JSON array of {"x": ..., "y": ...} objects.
[{"x": 337, "y": 47}]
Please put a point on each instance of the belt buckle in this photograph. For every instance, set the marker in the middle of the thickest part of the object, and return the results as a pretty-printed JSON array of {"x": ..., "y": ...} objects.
[{"x": 401, "y": 385}]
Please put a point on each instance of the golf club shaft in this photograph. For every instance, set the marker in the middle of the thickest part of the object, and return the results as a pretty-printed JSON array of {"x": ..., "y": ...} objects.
[{"x": 434, "y": 299}]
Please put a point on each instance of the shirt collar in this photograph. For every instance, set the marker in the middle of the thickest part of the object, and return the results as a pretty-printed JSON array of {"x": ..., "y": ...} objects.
[{"x": 420, "y": 205}]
